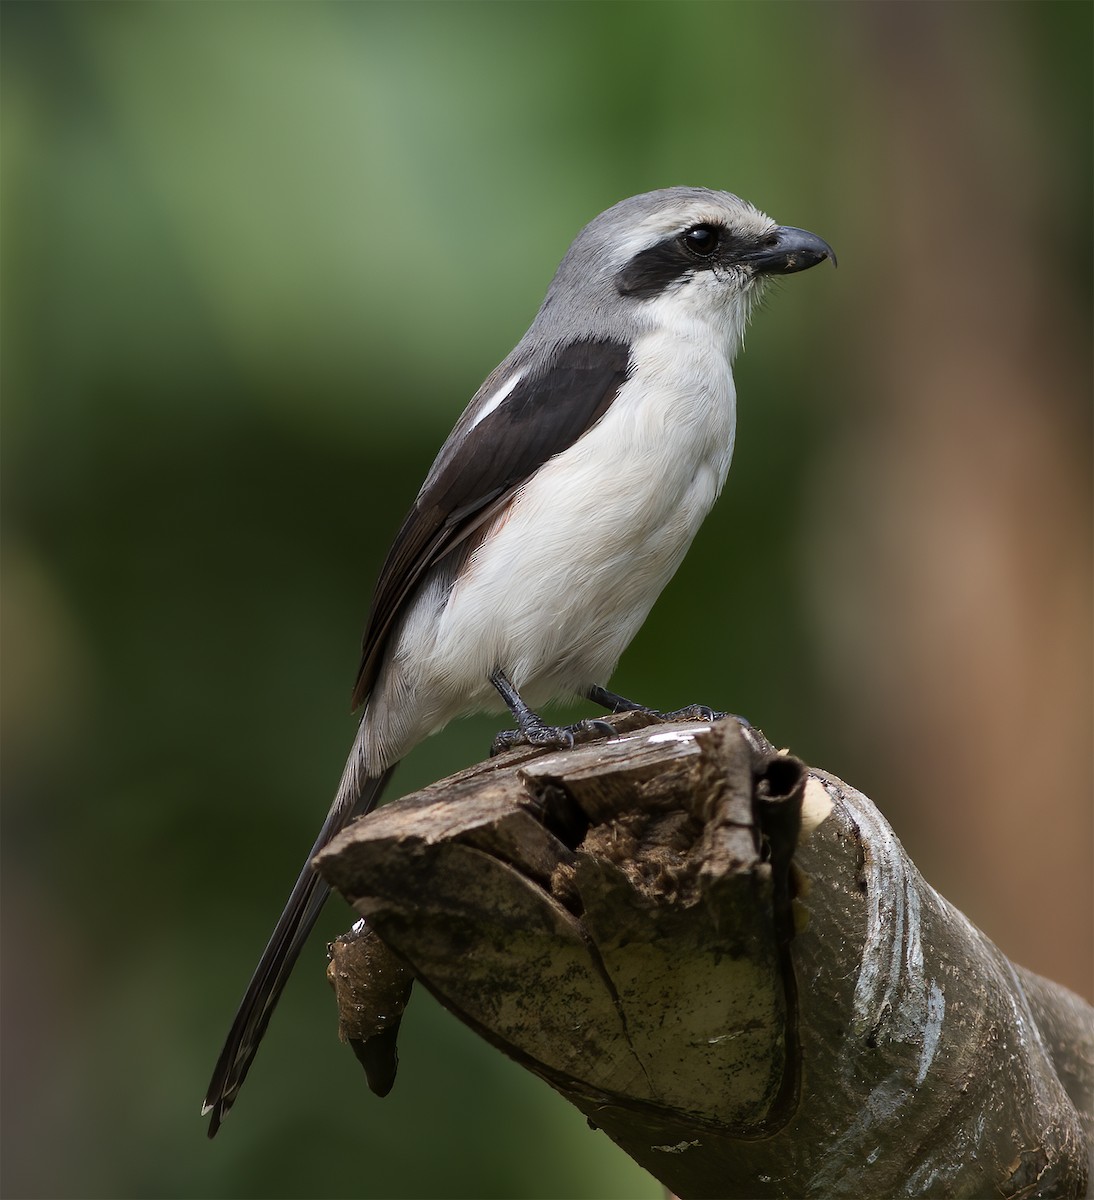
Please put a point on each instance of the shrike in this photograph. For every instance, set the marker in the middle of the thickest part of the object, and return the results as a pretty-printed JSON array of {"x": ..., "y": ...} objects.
[{"x": 559, "y": 507}]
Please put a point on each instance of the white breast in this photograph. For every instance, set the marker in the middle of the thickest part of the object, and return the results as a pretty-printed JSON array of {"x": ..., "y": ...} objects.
[{"x": 570, "y": 570}]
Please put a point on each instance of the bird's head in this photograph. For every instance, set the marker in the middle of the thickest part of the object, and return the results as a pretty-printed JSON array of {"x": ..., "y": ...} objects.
[{"x": 677, "y": 253}]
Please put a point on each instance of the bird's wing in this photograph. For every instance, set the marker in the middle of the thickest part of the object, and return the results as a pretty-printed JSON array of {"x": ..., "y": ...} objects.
[{"x": 519, "y": 419}]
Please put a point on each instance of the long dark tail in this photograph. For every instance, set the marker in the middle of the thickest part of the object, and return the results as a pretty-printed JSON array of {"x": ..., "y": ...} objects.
[{"x": 356, "y": 795}]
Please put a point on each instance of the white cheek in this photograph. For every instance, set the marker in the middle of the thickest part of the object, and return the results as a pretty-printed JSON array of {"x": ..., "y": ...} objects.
[{"x": 701, "y": 323}]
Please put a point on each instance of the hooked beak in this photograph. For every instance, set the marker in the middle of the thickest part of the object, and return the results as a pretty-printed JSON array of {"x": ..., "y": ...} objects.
[{"x": 787, "y": 250}]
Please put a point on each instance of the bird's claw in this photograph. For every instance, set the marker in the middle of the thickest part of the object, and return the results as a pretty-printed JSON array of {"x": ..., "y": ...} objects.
[
  {"x": 692, "y": 712},
  {"x": 559, "y": 737},
  {"x": 702, "y": 712}
]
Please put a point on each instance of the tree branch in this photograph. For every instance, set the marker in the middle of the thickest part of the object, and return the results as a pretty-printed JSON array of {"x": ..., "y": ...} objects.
[{"x": 729, "y": 964}]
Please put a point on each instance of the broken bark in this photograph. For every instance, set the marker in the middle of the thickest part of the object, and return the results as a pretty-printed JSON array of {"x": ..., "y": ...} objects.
[{"x": 728, "y": 963}]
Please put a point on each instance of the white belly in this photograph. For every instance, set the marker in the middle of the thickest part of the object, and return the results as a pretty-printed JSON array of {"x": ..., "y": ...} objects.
[{"x": 566, "y": 577}]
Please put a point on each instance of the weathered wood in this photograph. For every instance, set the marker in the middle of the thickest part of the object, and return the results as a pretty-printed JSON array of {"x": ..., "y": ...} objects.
[
  {"x": 729, "y": 964},
  {"x": 372, "y": 988}
]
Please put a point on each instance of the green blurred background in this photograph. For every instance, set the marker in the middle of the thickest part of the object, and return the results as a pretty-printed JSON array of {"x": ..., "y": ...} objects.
[{"x": 256, "y": 258}]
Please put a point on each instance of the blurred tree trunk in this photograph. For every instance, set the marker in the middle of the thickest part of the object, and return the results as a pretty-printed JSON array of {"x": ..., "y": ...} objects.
[
  {"x": 956, "y": 603},
  {"x": 727, "y": 962}
]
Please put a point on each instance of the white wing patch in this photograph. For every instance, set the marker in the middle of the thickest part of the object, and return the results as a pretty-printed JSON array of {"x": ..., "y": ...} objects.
[{"x": 488, "y": 406}]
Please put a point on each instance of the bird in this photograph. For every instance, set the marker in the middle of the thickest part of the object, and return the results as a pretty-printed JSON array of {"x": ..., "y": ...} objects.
[{"x": 557, "y": 510}]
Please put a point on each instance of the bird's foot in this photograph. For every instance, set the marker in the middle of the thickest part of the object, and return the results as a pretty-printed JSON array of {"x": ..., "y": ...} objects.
[
  {"x": 532, "y": 730},
  {"x": 560, "y": 737},
  {"x": 691, "y": 712},
  {"x": 701, "y": 712}
]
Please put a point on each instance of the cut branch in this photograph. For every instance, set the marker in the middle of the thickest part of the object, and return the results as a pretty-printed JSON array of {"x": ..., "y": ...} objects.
[{"x": 729, "y": 964}]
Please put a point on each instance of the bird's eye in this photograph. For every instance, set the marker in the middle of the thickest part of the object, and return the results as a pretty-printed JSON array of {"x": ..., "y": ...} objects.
[{"x": 701, "y": 240}]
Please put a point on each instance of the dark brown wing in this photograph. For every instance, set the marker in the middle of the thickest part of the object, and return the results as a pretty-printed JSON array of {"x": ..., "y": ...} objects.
[{"x": 480, "y": 467}]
